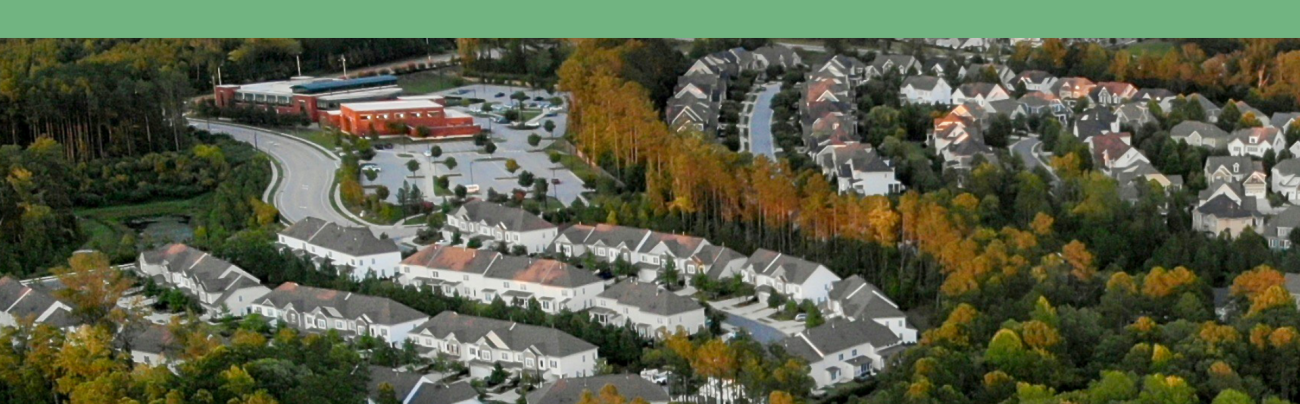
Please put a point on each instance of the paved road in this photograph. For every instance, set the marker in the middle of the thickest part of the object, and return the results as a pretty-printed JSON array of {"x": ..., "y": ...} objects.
[
  {"x": 308, "y": 177},
  {"x": 761, "y": 332},
  {"x": 760, "y": 123},
  {"x": 1027, "y": 150}
]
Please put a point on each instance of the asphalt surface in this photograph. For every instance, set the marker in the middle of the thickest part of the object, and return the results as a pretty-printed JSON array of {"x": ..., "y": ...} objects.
[
  {"x": 760, "y": 123},
  {"x": 1026, "y": 149},
  {"x": 761, "y": 332},
  {"x": 306, "y": 179}
]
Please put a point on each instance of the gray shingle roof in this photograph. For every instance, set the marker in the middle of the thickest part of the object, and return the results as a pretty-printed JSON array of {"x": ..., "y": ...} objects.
[
  {"x": 513, "y": 219},
  {"x": 861, "y": 300},
  {"x": 570, "y": 390},
  {"x": 774, "y": 264},
  {"x": 1224, "y": 207},
  {"x": 439, "y": 393},
  {"x": 548, "y": 341},
  {"x": 354, "y": 241},
  {"x": 650, "y": 298},
  {"x": 213, "y": 275},
  {"x": 836, "y": 335},
  {"x": 402, "y": 382},
  {"x": 1186, "y": 128},
  {"x": 500, "y": 266},
  {"x": 19, "y": 301},
  {"x": 922, "y": 82},
  {"x": 1280, "y": 119},
  {"x": 378, "y": 310},
  {"x": 1288, "y": 166}
]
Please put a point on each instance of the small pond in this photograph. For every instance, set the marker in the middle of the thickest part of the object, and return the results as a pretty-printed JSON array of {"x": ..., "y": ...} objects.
[{"x": 162, "y": 229}]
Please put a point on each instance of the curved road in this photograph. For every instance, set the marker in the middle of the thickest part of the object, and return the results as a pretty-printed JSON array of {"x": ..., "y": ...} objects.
[{"x": 307, "y": 178}]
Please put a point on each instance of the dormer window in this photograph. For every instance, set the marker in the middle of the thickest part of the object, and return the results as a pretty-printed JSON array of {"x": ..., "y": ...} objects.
[{"x": 1236, "y": 167}]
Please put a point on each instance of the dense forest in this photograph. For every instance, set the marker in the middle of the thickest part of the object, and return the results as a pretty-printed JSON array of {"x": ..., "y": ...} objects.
[
  {"x": 121, "y": 97},
  {"x": 1041, "y": 290}
]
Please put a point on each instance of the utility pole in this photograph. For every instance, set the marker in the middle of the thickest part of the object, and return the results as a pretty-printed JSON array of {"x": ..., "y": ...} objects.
[
  {"x": 299, "y": 61},
  {"x": 344, "y": 58},
  {"x": 218, "y": 75}
]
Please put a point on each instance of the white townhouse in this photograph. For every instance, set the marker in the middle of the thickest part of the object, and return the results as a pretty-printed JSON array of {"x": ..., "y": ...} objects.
[
  {"x": 925, "y": 90},
  {"x": 219, "y": 286},
  {"x": 319, "y": 310},
  {"x": 481, "y": 343},
  {"x": 34, "y": 299},
  {"x": 503, "y": 224},
  {"x": 842, "y": 350},
  {"x": 901, "y": 64},
  {"x": 352, "y": 249},
  {"x": 796, "y": 278},
  {"x": 1035, "y": 80},
  {"x": 715, "y": 262},
  {"x": 486, "y": 275},
  {"x": 856, "y": 299},
  {"x": 652, "y": 311},
  {"x": 649, "y": 251}
]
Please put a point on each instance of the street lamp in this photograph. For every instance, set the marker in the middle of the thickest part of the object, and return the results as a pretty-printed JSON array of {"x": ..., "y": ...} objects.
[{"x": 344, "y": 58}]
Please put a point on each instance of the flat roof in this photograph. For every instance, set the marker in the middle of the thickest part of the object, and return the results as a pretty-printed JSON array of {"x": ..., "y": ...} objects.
[
  {"x": 333, "y": 85},
  {"x": 282, "y": 87},
  {"x": 389, "y": 105},
  {"x": 451, "y": 113},
  {"x": 362, "y": 94}
]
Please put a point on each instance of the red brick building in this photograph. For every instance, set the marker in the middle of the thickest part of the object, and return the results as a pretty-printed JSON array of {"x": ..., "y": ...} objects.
[
  {"x": 307, "y": 95},
  {"x": 403, "y": 117}
]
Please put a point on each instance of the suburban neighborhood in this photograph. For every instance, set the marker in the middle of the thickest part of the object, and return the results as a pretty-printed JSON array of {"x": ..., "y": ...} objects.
[{"x": 684, "y": 220}]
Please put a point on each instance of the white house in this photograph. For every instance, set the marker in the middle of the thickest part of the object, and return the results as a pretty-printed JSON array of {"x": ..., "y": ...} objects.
[
  {"x": 1198, "y": 133},
  {"x": 1035, "y": 80},
  {"x": 925, "y": 90},
  {"x": 857, "y": 168},
  {"x": 1003, "y": 73},
  {"x": 1111, "y": 93},
  {"x": 353, "y": 249},
  {"x": 570, "y": 390},
  {"x": 842, "y": 350},
  {"x": 1238, "y": 170},
  {"x": 481, "y": 343},
  {"x": 1256, "y": 141},
  {"x": 31, "y": 300},
  {"x": 219, "y": 286},
  {"x": 487, "y": 275},
  {"x": 1278, "y": 232},
  {"x": 1286, "y": 179},
  {"x": 651, "y": 310},
  {"x": 319, "y": 310},
  {"x": 857, "y": 300},
  {"x": 979, "y": 93},
  {"x": 650, "y": 251},
  {"x": 796, "y": 278},
  {"x": 1111, "y": 152},
  {"x": 513, "y": 226},
  {"x": 900, "y": 64},
  {"x": 715, "y": 262}
]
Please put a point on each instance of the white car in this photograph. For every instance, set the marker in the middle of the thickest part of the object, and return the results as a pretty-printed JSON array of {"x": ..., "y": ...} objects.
[{"x": 372, "y": 167}]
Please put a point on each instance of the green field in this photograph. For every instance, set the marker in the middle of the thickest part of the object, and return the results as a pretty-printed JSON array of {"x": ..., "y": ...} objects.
[{"x": 427, "y": 82}]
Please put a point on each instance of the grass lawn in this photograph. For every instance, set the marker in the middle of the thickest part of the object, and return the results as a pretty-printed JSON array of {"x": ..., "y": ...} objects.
[
  {"x": 427, "y": 82},
  {"x": 161, "y": 208},
  {"x": 415, "y": 220},
  {"x": 319, "y": 137}
]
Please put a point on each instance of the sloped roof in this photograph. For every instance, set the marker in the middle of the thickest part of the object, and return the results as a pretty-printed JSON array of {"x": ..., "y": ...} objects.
[
  {"x": 1224, "y": 207},
  {"x": 978, "y": 89},
  {"x": 1035, "y": 76},
  {"x": 922, "y": 82},
  {"x": 440, "y": 393},
  {"x": 775, "y": 264},
  {"x": 1280, "y": 119},
  {"x": 349, "y": 305},
  {"x": 680, "y": 245},
  {"x": 513, "y": 219},
  {"x": 213, "y": 275},
  {"x": 1289, "y": 166},
  {"x": 402, "y": 382},
  {"x": 495, "y": 265},
  {"x": 20, "y": 301},
  {"x": 569, "y": 390},
  {"x": 1186, "y": 128},
  {"x": 517, "y": 337},
  {"x": 650, "y": 298},
  {"x": 836, "y": 335},
  {"x": 862, "y": 300},
  {"x": 354, "y": 241}
]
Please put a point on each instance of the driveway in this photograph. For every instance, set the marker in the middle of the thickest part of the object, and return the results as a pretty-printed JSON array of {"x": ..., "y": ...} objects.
[
  {"x": 753, "y": 318},
  {"x": 760, "y": 123}
]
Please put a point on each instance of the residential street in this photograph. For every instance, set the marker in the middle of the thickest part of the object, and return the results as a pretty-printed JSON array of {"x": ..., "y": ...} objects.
[
  {"x": 1026, "y": 149},
  {"x": 760, "y": 123},
  {"x": 306, "y": 180}
]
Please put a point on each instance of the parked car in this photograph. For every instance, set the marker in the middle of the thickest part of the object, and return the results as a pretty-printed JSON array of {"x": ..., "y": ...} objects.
[
  {"x": 472, "y": 188},
  {"x": 555, "y": 181},
  {"x": 499, "y": 95},
  {"x": 801, "y": 317},
  {"x": 371, "y": 167}
]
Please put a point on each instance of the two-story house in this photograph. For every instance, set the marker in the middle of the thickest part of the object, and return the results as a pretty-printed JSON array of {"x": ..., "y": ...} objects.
[
  {"x": 482, "y": 343},
  {"x": 1072, "y": 89},
  {"x": 843, "y": 350},
  {"x": 1197, "y": 133},
  {"x": 858, "y": 300},
  {"x": 1035, "y": 80},
  {"x": 1238, "y": 169},
  {"x": 979, "y": 93},
  {"x": 1256, "y": 142},
  {"x": 219, "y": 286},
  {"x": 715, "y": 262},
  {"x": 857, "y": 168},
  {"x": 354, "y": 250},
  {"x": 350, "y": 314},
  {"x": 487, "y": 275},
  {"x": 1223, "y": 207},
  {"x": 650, "y": 310},
  {"x": 503, "y": 224},
  {"x": 1111, "y": 93},
  {"x": 925, "y": 90},
  {"x": 1277, "y": 229},
  {"x": 796, "y": 278},
  {"x": 32, "y": 300},
  {"x": 1286, "y": 179},
  {"x": 649, "y": 251}
]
